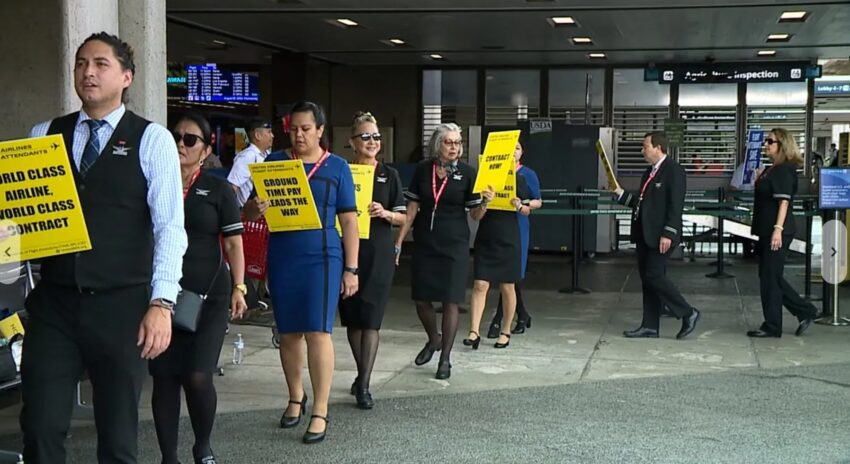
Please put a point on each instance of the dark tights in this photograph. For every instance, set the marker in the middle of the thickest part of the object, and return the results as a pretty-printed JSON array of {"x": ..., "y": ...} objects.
[
  {"x": 201, "y": 401},
  {"x": 428, "y": 317},
  {"x": 364, "y": 347},
  {"x": 521, "y": 312}
]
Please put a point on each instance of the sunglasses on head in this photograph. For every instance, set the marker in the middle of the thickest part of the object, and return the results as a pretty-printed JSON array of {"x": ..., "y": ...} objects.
[
  {"x": 365, "y": 137},
  {"x": 770, "y": 141},
  {"x": 189, "y": 140}
]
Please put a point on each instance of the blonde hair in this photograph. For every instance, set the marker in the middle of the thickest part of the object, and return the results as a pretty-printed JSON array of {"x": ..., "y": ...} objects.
[
  {"x": 361, "y": 117},
  {"x": 788, "y": 149}
]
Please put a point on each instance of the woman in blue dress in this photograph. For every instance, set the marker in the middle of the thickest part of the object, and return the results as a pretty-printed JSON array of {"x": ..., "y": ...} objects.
[{"x": 306, "y": 274}]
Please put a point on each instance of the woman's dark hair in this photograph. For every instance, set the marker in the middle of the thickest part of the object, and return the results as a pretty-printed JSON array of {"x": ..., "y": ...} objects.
[
  {"x": 318, "y": 116},
  {"x": 122, "y": 50},
  {"x": 202, "y": 122}
]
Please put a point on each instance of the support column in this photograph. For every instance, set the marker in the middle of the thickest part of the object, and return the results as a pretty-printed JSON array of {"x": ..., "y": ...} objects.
[{"x": 142, "y": 25}]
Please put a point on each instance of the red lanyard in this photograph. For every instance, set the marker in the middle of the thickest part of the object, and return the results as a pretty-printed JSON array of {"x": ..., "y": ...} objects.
[
  {"x": 318, "y": 164},
  {"x": 518, "y": 167},
  {"x": 437, "y": 194},
  {"x": 191, "y": 182},
  {"x": 648, "y": 180}
]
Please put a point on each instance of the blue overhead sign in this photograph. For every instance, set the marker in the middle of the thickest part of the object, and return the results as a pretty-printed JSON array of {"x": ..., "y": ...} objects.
[{"x": 832, "y": 88}]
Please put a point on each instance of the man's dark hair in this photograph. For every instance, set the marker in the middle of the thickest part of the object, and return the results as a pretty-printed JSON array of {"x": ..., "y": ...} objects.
[
  {"x": 122, "y": 50},
  {"x": 658, "y": 139}
]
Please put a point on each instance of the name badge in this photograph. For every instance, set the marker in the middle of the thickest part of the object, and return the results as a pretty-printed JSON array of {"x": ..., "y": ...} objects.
[
  {"x": 657, "y": 184},
  {"x": 121, "y": 149},
  {"x": 457, "y": 176},
  {"x": 382, "y": 180},
  {"x": 202, "y": 192}
]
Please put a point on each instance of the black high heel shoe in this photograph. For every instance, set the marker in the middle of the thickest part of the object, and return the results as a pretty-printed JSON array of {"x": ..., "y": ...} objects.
[
  {"x": 206, "y": 460},
  {"x": 444, "y": 370},
  {"x": 287, "y": 422},
  {"x": 364, "y": 398},
  {"x": 493, "y": 331},
  {"x": 425, "y": 354},
  {"x": 473, "y": 343},
  {"x": 316, "y": 437},
  {"x": 353, "y": 390},
  {"x": 521, "y": 325},
  {"x": 503, "y": 345}
]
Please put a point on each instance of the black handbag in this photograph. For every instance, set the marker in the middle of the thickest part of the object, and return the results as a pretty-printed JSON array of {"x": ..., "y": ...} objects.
[{"x": 188, "y": 307}]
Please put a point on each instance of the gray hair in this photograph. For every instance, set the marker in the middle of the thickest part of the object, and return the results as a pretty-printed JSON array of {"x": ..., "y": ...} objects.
[{"x": 438, "y": 136}]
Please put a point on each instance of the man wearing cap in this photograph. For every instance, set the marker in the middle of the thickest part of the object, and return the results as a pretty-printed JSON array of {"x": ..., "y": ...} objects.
[{"x": 261, "y": 137}]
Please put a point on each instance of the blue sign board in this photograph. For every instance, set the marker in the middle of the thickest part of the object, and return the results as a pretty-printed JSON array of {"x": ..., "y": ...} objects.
[
  {"x": 208, "y": 83},
  {"x": 832, "y": 88},
  {"x": 755, "y": 139},
  {"x": 835, "y": 188}
]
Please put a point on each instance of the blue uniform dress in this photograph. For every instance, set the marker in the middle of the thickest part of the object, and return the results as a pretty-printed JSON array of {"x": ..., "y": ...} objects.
[
  {"x": 533, "y": 185},
  {"x": 305, "y": 267}
]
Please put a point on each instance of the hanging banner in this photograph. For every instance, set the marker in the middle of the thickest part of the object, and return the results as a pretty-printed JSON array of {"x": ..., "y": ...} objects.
[
  {"x": 755, "y": 140},
  {"x": 497, "y": 160},
  {"x": 291, "y": 203},
  {"x": 40, "y": 215}
]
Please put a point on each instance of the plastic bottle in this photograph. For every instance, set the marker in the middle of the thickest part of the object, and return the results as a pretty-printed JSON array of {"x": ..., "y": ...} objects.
[{"x": 238, "y": 348}]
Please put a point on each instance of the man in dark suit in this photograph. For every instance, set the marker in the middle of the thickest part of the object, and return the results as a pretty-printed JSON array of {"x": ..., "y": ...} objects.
[{"x": 656, "y": 231}]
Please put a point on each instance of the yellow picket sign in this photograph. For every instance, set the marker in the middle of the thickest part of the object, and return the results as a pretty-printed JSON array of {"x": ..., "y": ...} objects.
[
  {"x": 11, "y": 326},
  {"x": 40, "y": 214},
  {"x": 496, "y": 161},
  {"x": 364, "y": 183},
  {"x": 502, "y": 200},
  {"x": 606, "y": 164},
  {"x": 291, "y": 203}
]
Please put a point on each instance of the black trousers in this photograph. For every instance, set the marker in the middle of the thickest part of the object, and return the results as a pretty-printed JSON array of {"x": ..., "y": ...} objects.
[
  {"x": 70, "y": 332},
  {"x": 775, "y": 290},
  {"x": 658, "y": 290}
]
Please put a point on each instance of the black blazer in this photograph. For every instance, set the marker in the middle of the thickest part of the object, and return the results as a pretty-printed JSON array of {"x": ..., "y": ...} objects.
[
  {"x": 774, "y": 185},
  {"x": 660, "y": 212}
]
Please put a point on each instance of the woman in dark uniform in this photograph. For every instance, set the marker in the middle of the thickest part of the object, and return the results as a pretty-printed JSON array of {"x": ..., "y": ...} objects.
[
  {"x": 773, "y": 224},
  {"x": 306, "y": 274},
  {"x": 498, "y": 259},
  {"x": 442, "y": 189},
  {"x": 363, "y": 312},
  {"x": 211, "y": 212}
]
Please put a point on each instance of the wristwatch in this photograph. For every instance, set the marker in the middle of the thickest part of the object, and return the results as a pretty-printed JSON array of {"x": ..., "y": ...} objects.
[
  {"x": 242, "y": 288},
  {"x": 352, "y": 270},
  {"x": 164, "y": 304}
]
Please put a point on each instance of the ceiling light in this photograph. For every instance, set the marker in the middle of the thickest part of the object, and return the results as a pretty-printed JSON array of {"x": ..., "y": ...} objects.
[
  {"x": 767, "y": 53},
  {"x": 397, "y": 41},
  {"x": 436, "y": 56},
  {"x": 562, "y": 21},
  {"x": 779, "y": 37},
  {"x": 596, "y": 56},
  {"x": 346, "y": 22},
  {"x": 793, "y": 16},
  {"x": 582, "y": 40}
]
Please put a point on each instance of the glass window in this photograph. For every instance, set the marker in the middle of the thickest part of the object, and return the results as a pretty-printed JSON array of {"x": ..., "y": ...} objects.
[
  {"x": 448, "y": 96},
  {"x": 639, "y": 107},
  {"x": 567, "y": 92},
  {"x": 512, "y": 95},
  {"x": 709, "y": 112}
]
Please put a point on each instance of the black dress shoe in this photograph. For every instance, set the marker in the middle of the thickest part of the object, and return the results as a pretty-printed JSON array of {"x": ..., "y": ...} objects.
[
  {"x": 521, "y": 325},
  {"x": 689, "y": 324},
  {"x": 641, "y": 332},
  {"x": 206, "y": 460},
  {"x": 763, "y": 334},
  {"x": 316, "y": 437},
  {"x": 425, "y": 355},
  {"x": 444, "y": 370},
  {"x": 353, "y": 390},
  {"x": 804, "y": 326},
  {"x": 287, "y": 422},
  {"x": 364, "y": 399},
  {"x": 494, "y": 330}
]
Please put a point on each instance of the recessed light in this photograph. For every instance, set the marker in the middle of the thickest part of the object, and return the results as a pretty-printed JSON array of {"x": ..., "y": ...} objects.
[
  {"x": 793, "y": 16},
  {"x": 347, "y": 22},
  {"x": 436, "y": 56},
  {"x": 779, "y": 37},
  {"x": 397, "y": 41},
  {"x": 582, "y": 40},
  {"x": 596, "y": 56},
  {"x": 767, "y": 53},
  {"x": 562, "y": 21}
]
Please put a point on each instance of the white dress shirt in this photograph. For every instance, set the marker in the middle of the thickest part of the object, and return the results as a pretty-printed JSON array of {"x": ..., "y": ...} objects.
[{"x": 240, "y": 176}]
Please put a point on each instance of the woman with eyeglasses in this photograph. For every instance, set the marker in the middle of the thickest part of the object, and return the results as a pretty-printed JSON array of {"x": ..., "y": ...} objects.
[
  {"x": 773, "y": 224},
  {"x": 439, "y": 196},
  {"x": 363, "y": 313},
  {"x": 308, "y": 271},
  {"x": 211, "y": 212}
]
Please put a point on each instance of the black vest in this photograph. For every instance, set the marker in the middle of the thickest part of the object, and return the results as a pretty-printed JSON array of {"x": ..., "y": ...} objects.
[{"x": 113, "y": 196}]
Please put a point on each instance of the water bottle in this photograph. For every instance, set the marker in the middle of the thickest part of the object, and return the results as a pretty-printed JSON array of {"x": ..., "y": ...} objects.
[{"x": 238, "y": 347}]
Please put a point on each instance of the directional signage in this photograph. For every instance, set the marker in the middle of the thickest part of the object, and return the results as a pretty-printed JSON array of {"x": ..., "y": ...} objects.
[
  {"x": 834, "y": 255},
  {"x": 729, "y": 73}
]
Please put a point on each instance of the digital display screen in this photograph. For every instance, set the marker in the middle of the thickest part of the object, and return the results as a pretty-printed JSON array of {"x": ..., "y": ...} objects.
[
  {"x": 835, "y": 188},
  {"x": 208, "y": 83}
]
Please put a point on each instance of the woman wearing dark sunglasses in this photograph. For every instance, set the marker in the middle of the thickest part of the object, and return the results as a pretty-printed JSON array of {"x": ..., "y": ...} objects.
[
  {"x": 211, "y": 212},
  {"x": 363, "y": 312},
  {"x": 773, "y": 224}
]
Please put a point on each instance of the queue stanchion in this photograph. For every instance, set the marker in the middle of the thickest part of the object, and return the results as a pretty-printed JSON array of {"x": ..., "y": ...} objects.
[
  {"x": 574, "y": 287},
  {"x": 808, "y": 208},
  {"x": 835, "y": 239},
  {"x": 720, "y": 273}
]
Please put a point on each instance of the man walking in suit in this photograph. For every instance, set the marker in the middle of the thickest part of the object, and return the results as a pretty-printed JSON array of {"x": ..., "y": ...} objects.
[{"x": 656, "y": 231}]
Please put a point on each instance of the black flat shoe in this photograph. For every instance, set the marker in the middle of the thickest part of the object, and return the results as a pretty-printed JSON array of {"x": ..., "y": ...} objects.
[
  {"x": 316, "y": 437},
  {"x": 287, "y": 422},
  {"x": 364, "y": 399},
  {"x": 494, "y": 330},
  {"x": 353, "y": 390},
  {"x": 206, "y": 460},
  {"x": 689, "y": 324},
  {"x": 425, "y": 355},
  {"x": 503, "y": 345},
  {"x": 641, "y": 332},
  {"x": 521, "y": 325},
  {"x": 444, "y": 370},
  {"x": 763, "y": 334},
  {"x": 804, "y": 326},
  {"x": 473, "y": 343}
]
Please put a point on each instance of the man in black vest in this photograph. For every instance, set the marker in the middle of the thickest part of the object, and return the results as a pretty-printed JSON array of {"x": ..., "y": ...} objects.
[
  {"x": 106, "y": 310},
  {"x": 656, "y": 231}
]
